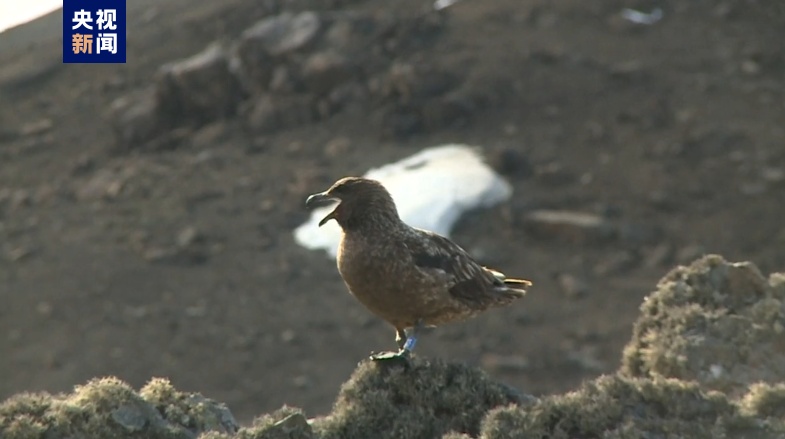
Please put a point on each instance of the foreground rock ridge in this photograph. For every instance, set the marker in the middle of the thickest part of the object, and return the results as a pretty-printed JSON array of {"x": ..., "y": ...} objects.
[{"x": 705, "y": 360}]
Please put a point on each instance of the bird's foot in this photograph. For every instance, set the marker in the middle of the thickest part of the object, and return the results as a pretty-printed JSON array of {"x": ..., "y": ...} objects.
[
  {"x": 406, "y": 343},
  {"x": 403, "y": 356}
]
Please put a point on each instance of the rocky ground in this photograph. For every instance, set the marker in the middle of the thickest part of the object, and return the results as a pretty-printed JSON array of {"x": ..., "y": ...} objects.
[{"x": 146, "y": 209}]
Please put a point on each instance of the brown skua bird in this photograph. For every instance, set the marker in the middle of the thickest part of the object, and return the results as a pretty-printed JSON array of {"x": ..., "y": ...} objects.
[{"x": 409, "y": 277}]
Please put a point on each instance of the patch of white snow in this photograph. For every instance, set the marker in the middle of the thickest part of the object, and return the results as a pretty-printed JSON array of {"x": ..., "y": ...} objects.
[{"x": 431, "y": 189}]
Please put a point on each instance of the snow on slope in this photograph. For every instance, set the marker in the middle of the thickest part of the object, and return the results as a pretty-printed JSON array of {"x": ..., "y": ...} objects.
[{"x": 431, "y": 189}]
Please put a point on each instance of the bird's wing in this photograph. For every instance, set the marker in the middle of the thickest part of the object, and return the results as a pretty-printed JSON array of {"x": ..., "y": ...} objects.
[{"x": 443, "y": 259}]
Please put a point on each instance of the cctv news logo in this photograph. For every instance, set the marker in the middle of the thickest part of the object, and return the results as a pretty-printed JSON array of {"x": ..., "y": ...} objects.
[{"x": 94, "y": 31}]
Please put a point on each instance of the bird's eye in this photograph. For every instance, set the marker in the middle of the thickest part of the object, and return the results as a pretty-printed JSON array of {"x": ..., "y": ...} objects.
[
  {"x": 341, "y": 188},
  {"x": 344, "y": 187}
]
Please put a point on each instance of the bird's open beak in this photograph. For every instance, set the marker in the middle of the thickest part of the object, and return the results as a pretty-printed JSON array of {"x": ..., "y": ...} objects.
[{"x": 320, "y": 200}]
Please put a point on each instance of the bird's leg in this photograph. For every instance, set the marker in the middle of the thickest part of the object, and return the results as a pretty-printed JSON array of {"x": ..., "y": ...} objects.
[
  {"x": 406, "y": 342},
  {"x": 400, "y": 338},
  {"x": 411, "y": 339}
]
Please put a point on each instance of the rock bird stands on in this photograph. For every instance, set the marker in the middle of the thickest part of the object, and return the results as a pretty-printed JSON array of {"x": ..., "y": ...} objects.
[{"x": 409, "y": 277}]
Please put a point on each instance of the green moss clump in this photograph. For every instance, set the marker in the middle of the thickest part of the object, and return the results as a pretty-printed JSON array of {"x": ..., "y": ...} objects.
[
  {"x": 104, "y": 407},
  {"x": 618, "y": 407},
  {"x": 108, "y": 407},
  {"x": 765, "y": 401},
  {"x": 284, "y": 423},
  {"x": 24, "y": 416},
  {"x": 715, "y": 322},
  {"x": 429, "y": 399},
  {"x": 191, "y": 411}
]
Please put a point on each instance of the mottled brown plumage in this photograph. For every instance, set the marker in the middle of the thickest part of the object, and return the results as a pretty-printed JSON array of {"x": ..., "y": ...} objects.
[{"x": 407, "y": 276}]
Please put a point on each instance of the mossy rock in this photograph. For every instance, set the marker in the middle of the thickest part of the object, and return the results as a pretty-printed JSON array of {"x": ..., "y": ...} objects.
[
  {"x": 108, "y": 407},
  {"x": 284, "y": 423},
  {"x": 428, "y": 399},
  {"x": 719, "y": 323},
  {"x": 615, "y": 406}
]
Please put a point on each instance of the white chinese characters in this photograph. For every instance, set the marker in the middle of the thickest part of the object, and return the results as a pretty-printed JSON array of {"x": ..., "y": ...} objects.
[
  {"x": 106, "y": 19},
  {"x": 82, "y": 18},
  {"x": 97, "y": 33},
  {"x": 107, "y": 43}
]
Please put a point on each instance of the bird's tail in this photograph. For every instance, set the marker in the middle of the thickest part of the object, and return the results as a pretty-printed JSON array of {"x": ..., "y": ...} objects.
[
  {"x": 513, "y": 288},
  {"x": 518, "y": 282},
  {"x": 516, "y": 288}
]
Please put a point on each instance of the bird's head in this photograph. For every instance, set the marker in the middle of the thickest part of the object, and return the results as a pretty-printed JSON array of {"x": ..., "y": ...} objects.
[{"x": 361, "y": 201}]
